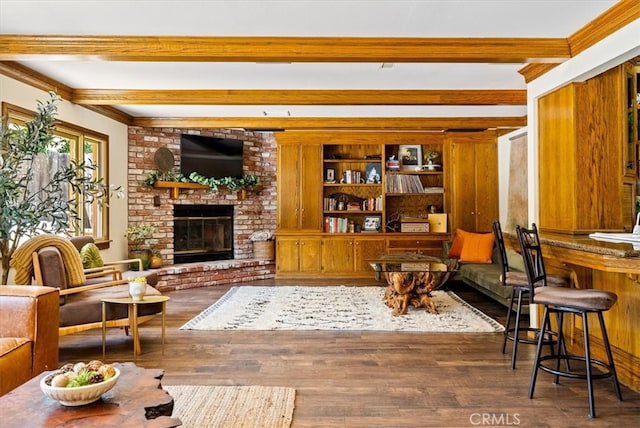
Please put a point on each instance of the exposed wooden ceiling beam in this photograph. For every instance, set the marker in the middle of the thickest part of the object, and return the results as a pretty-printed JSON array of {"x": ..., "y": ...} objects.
[
  {"x": 390, "y": 123},
  {"x": 284, "y": 49},
  {"x": 298, "y": 97}
]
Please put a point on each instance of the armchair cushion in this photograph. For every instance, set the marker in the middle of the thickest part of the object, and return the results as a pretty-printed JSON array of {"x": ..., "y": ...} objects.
[
  {"x": 90, "y": 256},
  {"x": 86, "y": 307}
]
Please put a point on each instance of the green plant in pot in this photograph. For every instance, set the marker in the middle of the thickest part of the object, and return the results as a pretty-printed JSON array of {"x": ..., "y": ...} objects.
[{"x": 139, "y": 237}]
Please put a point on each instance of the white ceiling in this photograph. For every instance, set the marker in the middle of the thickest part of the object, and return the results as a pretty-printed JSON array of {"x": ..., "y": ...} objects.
[{"x": 352, "y": 18}]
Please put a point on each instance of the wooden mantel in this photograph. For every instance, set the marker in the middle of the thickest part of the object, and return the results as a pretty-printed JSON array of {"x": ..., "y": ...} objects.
[{"x": 175, "y": 187}]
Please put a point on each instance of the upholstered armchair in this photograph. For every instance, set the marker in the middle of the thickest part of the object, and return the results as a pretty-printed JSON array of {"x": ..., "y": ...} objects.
[
  {"x": 28, "y": 333},
  {"x": 56, "y": 262}
]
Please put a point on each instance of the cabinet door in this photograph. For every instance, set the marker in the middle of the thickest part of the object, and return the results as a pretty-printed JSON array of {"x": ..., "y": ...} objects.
[
  {"x": 287, "y": 255},
  {"x": 310, "y": 255},
  {"x": 463, "y": 185},
  {"x": 337, "y": 255},
  {"x": 288, "y": 195},
  {"x": 486, "y": 181},
  {"x": 311, "y": 187},
  {"x": 368, "y": 249}
]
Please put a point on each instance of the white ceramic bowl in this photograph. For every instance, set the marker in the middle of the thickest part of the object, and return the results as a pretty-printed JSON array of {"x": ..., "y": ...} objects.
[{"x": 79, "y": 395}]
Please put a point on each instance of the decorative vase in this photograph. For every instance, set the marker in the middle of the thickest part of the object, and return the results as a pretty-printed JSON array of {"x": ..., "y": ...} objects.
[
  {"x": 142, "y": 254},
  {"x": 155, "y": 262},
  {"x": 137, "y": 290}
]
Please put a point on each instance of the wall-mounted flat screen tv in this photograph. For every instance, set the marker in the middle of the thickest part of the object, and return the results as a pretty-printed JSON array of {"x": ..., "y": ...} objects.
[{"x": 211, "y": 156}]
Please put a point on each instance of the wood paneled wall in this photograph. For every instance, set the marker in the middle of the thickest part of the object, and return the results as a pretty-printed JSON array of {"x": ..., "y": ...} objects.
[{"x": 580, "y": 152}]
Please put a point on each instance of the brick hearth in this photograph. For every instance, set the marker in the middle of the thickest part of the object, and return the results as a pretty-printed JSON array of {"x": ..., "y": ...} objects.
[{"x": 256, "y": 212}]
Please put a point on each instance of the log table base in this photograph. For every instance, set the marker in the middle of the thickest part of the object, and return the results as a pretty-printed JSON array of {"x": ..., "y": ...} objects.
[
  {"x": 137, "y": 400},
  {"x": 411, "y": 278},
  {"x": 410, "y": 288}
]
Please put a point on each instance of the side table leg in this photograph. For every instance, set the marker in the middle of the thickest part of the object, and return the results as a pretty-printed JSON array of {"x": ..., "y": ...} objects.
[
  {"x": 136, "y": 333},
  {"x": 164, "y": 310},
  {"x": 104, "y": 328}
]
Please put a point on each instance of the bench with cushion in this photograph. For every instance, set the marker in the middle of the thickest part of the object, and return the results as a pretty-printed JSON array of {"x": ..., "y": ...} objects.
[{"x": 479, "y": 264}]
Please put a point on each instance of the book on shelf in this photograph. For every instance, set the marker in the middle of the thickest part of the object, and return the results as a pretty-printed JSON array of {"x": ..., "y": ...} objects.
[
  {"x": 352, "y": 176},
  {"x": 372, "y": 204},
  {"x": 336, "y": 224},
  {"x": 397, "y": 183}
]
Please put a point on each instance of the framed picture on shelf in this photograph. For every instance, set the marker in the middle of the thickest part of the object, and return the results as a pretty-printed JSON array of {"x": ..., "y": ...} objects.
[
  {"x": 410, "y": 157},
  {"x": 372, "y": 173},
  {"x": 330, "y": 175},
  {"x": 372, "y": 223}
]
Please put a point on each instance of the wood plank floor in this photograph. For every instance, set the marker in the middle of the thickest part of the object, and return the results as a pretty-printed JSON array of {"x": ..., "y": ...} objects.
[{"x": 365, "y": 379}]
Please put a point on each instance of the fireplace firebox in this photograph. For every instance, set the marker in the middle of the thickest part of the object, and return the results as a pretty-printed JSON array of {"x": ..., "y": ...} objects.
[{"x": 202, "y": 233}]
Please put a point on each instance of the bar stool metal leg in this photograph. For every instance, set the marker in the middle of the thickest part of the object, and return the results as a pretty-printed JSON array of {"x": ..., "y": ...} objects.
[{"x": 607, "y": 347}]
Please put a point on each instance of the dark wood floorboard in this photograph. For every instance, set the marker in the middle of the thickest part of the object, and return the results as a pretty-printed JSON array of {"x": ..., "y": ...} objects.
[{"x": 365, "y": 379}]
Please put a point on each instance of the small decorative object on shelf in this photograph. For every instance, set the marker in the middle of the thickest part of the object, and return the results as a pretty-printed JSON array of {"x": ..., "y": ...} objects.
[
  {"x": 393, "y": 164},
  {"x": 372, "y": 224},
  {"x": 410, "y": 157},
  {"x": 372, "y": 173},
  {"x": 430, "y": 158}
]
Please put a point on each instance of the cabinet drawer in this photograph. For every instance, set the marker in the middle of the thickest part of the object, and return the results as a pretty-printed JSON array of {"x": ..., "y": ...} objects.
[{"x": 415, "y": 243}]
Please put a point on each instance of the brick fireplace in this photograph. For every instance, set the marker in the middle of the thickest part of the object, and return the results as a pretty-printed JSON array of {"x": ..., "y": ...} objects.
[{"x": 156, "y": 206}]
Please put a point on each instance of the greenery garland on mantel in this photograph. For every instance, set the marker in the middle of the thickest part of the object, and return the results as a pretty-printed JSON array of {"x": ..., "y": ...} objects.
[{"x": 234, "y": 184}]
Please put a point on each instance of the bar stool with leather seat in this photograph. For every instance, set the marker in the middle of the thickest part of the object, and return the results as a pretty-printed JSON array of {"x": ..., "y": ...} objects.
[
  {"x": 581, "y": 302},
  {"x": 519, "y": 284}
]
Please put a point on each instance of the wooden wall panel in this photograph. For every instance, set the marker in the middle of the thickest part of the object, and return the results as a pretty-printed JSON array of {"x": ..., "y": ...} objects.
[
  {"x": 599, "y": 160},
  {"x": 557, "y": 159}
]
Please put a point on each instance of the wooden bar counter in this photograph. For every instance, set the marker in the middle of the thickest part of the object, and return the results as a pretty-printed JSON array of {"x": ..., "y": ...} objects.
[{"x": 608, "y": 266}]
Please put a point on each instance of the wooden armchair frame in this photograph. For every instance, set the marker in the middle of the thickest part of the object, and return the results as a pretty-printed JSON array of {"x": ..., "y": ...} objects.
[{"x": 108, "y": 271}]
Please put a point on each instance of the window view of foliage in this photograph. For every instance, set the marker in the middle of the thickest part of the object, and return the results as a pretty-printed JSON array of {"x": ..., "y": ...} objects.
[{"x": 42, "y": 188}]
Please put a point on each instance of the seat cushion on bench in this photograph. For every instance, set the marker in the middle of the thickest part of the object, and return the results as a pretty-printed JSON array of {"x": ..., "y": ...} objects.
[
  {"x": 486, "y": 276},
  {"x": 86, "y": 307}
]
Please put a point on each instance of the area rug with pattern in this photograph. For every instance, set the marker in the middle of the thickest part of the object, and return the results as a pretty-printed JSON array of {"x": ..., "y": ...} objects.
[
  {"x": 199, "y": 406},
  {"x": 335, "y": 308}
]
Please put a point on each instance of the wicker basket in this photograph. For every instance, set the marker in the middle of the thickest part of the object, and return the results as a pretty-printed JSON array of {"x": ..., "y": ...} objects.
[{"x": 264, "y": 250}]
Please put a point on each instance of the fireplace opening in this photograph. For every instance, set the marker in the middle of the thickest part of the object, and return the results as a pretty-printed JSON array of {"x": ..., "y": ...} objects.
[{"x": 202, "y": 233}]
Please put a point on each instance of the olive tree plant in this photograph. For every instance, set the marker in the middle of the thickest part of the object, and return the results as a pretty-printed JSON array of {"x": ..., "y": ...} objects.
[{"x": 29, "y": 204}]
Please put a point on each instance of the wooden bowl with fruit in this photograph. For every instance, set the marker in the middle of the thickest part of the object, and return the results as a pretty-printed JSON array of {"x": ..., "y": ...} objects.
[{"x": 79, "y": 384}]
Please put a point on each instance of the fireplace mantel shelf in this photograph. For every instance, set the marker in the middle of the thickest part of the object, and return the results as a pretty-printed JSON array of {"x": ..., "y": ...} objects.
[{"x": 175, "y": 187}]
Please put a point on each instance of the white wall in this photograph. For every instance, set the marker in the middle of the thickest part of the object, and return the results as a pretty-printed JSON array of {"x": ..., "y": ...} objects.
[
  {"x": 25, "y": 96},
  {"x": 504, "y": 156}
]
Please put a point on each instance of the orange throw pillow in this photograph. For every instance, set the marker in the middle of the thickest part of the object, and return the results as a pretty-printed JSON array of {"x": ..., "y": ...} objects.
[
  {"x": 456, "y": 245},
  {"x": 477, "y": 248}
]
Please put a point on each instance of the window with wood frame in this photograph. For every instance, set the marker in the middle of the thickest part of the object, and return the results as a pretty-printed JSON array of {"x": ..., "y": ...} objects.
[{"x": 72, "y": 144}]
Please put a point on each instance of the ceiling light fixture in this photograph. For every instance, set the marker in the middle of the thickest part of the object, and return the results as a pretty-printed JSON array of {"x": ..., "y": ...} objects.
[{"x": 276, "y": 113}]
